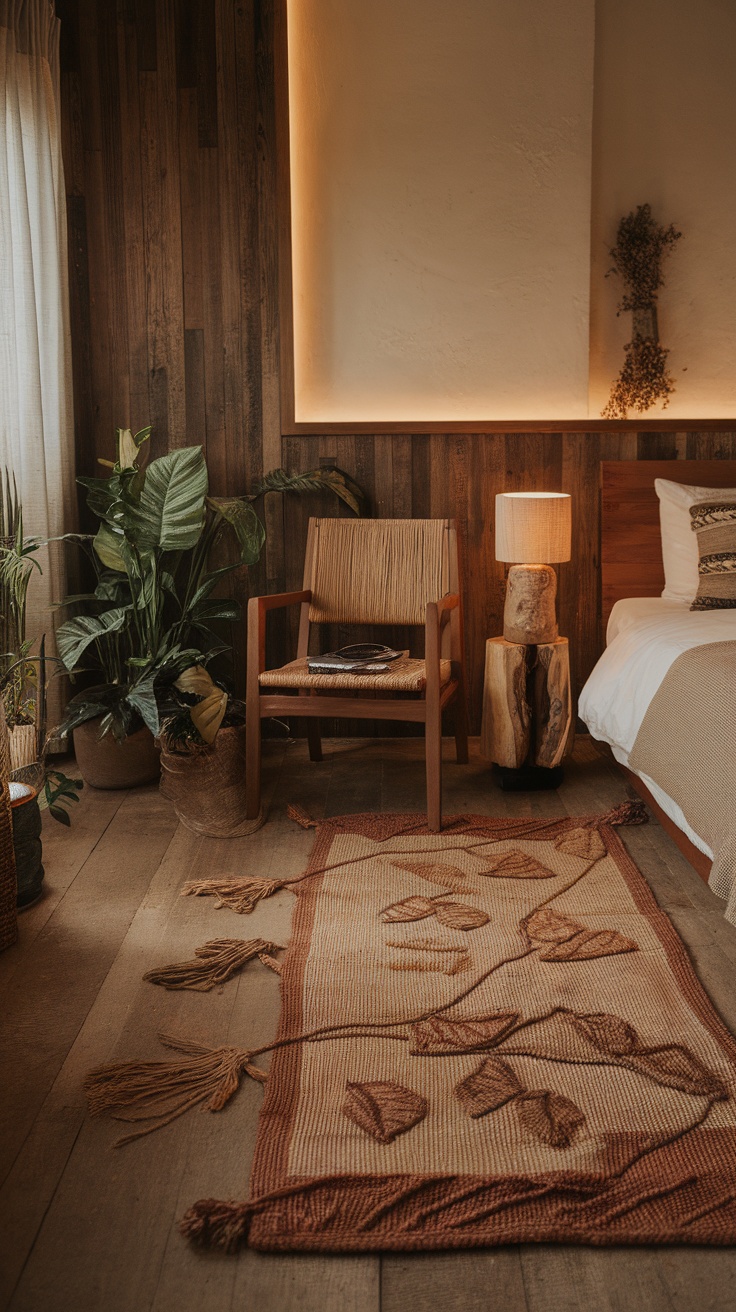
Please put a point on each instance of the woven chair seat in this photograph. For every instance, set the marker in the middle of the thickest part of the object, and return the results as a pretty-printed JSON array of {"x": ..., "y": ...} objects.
[{"x": 405, "y": 675}]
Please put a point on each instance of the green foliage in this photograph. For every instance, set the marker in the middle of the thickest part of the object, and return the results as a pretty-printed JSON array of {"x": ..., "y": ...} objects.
[
  {"x": 152, "y": 613},
  {"x": 59, "y": 792}
]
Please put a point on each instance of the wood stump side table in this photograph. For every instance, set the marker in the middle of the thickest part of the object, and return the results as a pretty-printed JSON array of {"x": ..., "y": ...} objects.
[{"x": 527, "y": 726}]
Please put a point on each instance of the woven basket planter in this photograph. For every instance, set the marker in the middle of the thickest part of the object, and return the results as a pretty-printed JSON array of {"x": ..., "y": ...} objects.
[
  {"x": 206, "y": 785},
  {"x": 105, "y": 763}
]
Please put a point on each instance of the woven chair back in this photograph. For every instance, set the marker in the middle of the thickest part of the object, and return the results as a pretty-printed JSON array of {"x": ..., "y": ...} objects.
[{"x": 378, "y": 571}]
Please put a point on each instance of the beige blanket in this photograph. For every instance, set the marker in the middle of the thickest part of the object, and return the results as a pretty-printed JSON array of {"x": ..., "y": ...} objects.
[{"x": 687, "y": 745}]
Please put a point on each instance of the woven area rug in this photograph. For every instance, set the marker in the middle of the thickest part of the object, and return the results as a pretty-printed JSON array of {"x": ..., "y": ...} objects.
[{"x": 488, "y": 1036}]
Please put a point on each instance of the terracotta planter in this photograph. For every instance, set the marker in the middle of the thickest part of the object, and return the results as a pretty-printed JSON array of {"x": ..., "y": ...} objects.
[
  {"x": 105, "y": 763},
  {"x": 206, "y": 785}
]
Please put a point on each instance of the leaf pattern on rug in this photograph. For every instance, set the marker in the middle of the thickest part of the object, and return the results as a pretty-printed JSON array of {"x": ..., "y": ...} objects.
[
  {"x": 565, "y": 939},
  {"x": 676, "y": 1067},
  {"x": 490, "y": 1086},
  {"x": 383, "y": 1108},
  {"x": 412, "y": 908},
  {"x": 585, "y": 843},
  {"x": 437, "y": 1036},
  {"x": 590, "y": 943},
  {"x": 456, "y": 915},
  {"x": 430, "y": 956},
  {"x": 611, "y": 1034},
  {"x": 516, "y": 865},
  {"x": 549, "y": 1116},
  {"x": 437, "y": 872}
]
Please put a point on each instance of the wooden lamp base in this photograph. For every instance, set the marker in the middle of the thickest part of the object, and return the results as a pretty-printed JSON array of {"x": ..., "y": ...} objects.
[{"x": 529, "y": 614}]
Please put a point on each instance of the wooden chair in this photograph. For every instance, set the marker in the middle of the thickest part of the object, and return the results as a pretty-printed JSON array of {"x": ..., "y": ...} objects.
[{"x": 381, "y": 571}]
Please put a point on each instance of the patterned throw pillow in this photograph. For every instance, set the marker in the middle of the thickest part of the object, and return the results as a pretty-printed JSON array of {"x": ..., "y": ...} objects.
[{"x": 714, "y": 522}]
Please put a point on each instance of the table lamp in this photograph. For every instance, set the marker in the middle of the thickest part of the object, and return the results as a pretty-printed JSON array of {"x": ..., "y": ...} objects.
[{"x": 533, "y": 532}]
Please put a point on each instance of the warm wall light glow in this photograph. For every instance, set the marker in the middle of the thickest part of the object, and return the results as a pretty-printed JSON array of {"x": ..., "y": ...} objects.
[{"x": 440, "y": 173}]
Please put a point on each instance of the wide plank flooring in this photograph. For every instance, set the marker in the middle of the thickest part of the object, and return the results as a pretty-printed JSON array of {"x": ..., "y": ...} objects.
[{"x": 84, "y": 1226}]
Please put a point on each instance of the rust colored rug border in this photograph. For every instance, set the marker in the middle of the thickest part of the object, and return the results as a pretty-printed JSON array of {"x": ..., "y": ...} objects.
[{"x": 434, "y": 1212}]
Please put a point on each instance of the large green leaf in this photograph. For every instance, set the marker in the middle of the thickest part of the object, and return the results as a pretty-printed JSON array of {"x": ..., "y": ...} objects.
[
  {"x": 108, "y": 545},
  {"x": 243, "y": 520},
  {"x": 170, "y": 511},
  {"x": 143, "y": 698},
  {"x": 315, "y": 480},
  {"x": 74, "y": 637}
]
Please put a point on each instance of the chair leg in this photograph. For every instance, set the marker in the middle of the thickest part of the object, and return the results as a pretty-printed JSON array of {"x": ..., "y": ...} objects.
[
  {"x": 461, "y": 724},
  {"x": 433, "y": 751},
  {"x": 314, "y": 738},
  {"x": 252, "y": 760}
]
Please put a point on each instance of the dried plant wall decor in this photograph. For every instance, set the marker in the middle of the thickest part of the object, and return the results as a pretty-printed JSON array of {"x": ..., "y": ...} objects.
[{"x": 641, "y": 245}]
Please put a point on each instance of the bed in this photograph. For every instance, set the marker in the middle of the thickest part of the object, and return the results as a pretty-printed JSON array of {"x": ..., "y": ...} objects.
[{"x": 646, "y": 634}]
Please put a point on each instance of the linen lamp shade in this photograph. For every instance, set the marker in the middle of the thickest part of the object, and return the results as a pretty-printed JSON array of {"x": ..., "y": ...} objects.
[{"x": 533, "y": 528}]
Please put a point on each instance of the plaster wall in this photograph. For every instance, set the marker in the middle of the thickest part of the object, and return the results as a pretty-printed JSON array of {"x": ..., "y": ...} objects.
[
  {"x": 441, "y": 174},
  {"x": 664, "y": 133}
]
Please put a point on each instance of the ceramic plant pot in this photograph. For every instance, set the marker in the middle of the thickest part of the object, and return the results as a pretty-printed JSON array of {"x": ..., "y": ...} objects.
[
  {"x": 105, "y": 763},
  {"x": 26, "y": 842}
]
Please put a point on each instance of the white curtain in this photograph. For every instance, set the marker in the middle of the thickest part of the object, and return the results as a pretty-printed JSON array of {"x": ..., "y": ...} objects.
[{"x": 36, "y": 422}]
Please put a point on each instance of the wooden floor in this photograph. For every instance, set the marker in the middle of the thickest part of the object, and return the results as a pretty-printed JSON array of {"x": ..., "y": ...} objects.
[{"x": 83, "y": 1226}]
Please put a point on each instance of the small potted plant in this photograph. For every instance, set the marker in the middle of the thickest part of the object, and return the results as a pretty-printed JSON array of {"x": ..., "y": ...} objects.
[{"x": 153, "y": 613}]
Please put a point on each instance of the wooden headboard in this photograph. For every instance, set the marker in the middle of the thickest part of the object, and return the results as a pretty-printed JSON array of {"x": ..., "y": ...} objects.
[{"x": 631, "y": 552}]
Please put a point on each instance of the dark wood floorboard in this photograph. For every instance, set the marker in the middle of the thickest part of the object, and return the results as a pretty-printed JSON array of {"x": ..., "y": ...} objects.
[{"x": 84, "y": 1226}]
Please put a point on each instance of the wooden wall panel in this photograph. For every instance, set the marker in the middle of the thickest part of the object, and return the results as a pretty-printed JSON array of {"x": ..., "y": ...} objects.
[{"x": 170, "y": 131}]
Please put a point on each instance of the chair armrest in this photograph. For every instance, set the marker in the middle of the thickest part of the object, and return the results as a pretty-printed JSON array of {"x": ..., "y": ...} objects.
[
  {"x": 438, "y": 615},
  {"x": 258, "y": 608},
  {"x": 277, "y": 600}
]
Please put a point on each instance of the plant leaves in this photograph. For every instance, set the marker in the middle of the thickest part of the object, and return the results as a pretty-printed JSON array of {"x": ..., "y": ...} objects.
[
  {"x": 170, "y": 511},
  {"x": 314, "y": 481},
  {"x": 516, "y": 865},
  {"x": 207, "y": 715},
  {"x": 609, "y": 1033},
  {"x": 412, "y": 908},
  {"x": 108, "y": 545},
  {"x": 491, "y": 1085},
  {"x": 243, "y": 520},
  {"x": 588, "y": 944},
  {"x": 550, "y": 1117},
  {"x": 585, "y": 843},
  {"x": 74, "y": 636},
  {"x": 676, "y": 1067},
  {"x": 447, "y": 876},
  {"x": 547, "y": 926},
  {"x": 458, "y": 916},
  {"x": 383, "y": 1108},
  {"x": 438, "y": 1036},
  {"x": 142, "y": 697}
]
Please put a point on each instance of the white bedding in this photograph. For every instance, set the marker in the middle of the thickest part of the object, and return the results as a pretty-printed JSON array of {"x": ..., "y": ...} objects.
[{"x": 645, "y": 636}]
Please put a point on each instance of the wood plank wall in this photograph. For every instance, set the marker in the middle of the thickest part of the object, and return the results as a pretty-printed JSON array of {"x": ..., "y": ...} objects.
[{"x": 169, "y": 132}]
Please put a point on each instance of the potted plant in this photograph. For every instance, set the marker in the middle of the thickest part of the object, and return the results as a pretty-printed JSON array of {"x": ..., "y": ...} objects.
[
  {"x": 33, "y": 786},
  {"x": 153, "y": 613}
]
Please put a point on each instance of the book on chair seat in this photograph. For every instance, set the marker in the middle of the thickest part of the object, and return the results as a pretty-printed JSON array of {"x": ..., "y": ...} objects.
[{"x": 357, "y": 658}]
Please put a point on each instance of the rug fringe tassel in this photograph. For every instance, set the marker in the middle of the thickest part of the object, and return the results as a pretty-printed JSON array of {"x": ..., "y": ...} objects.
[
  {"x": 633, "y": 812},
  {"x": 301, "y": 817},
  {"x": 213, "y": 964},
  {"x": 211, "y": 1223},
  {"x": 160, "y": 1091},
  {"x": 240, "y": 895}
]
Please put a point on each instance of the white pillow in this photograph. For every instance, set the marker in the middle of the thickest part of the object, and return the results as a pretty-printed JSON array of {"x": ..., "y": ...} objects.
[{"x": 679, "y": 543}]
